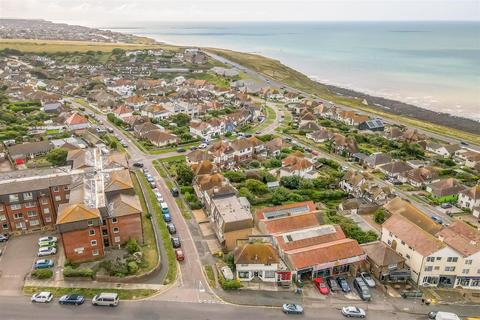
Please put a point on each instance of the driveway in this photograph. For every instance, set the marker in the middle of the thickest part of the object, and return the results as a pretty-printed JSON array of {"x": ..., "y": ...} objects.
[{"x": 19, "y": 254}]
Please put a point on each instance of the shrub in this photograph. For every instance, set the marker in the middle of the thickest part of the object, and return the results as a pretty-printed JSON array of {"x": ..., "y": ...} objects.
[
  {"x": 69, "y": 272},
  {"x": 42, "y": 274},
  {"x": 132, "y": 246},
  {"x": 231, "y": 284},
  {"x": 380, "y": 216},
  {"x": 132, "y": 267}
]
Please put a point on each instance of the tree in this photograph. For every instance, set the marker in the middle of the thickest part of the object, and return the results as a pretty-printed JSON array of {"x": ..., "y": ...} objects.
[
  {"x": 291, "y": 182},
  {"x": 235, "y": 176},
  {"x": 256, "y": 187},
  {"x": 184, "y": 174},
  {"x": 380, "y": 216},
  {"x": 279, "y": 195},
  {"x": 58, "y": 156},
  {"x": 181, "y": 119}
]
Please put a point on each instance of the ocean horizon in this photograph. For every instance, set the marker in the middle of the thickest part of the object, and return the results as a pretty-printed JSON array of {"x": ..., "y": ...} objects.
[{"x": 433, "y": 65}]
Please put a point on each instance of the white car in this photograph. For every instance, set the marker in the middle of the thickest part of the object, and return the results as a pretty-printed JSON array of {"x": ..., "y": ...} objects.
[
  {"x": 42, "y": 297},
  {"x": 368, "y": 279},
  {"x": 46, "y": 251},
  {"x": 353, "y": 312},
  {"x": 202, "y": 146},
  {"x": 48, "y": 239}
]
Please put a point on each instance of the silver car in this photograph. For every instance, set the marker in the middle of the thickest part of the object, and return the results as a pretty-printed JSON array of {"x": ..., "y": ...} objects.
[
  {"x": 291, "y": 308},
  {"x": 367, "y": 278},
  {"x": 353, "y": 312}
]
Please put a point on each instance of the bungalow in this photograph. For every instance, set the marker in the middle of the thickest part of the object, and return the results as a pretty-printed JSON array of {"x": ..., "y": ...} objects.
[
  {"x": 136, "y": 102},
  {"x": 319, "y": 136},
  {"x": 29, "y": 150},
  {"x": 159, "y": 138},
  {"x": 123, "y": 112},
  {"x": 469, "y": 158},
  {"x": 142, "y": 129},
  {"x": 352, "y": 183},
  {"x": 393, "y": 133},
  {"x": 419, "y": 177},
  {"x": 307, "y": 117},
  {"x": 395, "y": 168},
  {"x": 198, "y": 156},
  {"x": 469, "y": 198},
  {"x": 297, "y": 164},
  {"x": 412, "y": 135},
  {"x": 156, "y": 111},
  {"x": 52, "y": 107},
  {"x": 273, "y": 147},
  {"x": 343, "y": 145},
  {"x": 377, "y": 159},
  {"x": 76, "y": 122},
  {"x": 309, "y": 126},
  {"x": 449, "y": 187},
  {"x": 445, "y": 151}
]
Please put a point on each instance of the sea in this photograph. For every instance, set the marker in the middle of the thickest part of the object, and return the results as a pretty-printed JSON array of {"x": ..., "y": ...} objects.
[{"x": 433, "y": 65}]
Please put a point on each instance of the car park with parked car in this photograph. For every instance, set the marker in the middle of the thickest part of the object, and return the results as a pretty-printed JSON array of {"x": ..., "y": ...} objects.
[
  {"x": 46, "y": 251},
  {"x": 321, "y": 286},
  {"x": 179, "y": 255},
  {"x": 367, "y": 278},
  {"x": 342, "y": 282},
  {"x": 333, "y": 284},
  {"x": 48, "y": 238},
  {"x": 171, "y": 228},
  {"x": 362, "y": 289},
  {"x": 43, "y": 264},
  {"x": 106, "y": 299}
]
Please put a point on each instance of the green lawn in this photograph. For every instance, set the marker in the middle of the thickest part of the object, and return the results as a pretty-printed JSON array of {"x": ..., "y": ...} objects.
[
  {"x": 123, "y": 294},
  {"x": 149, "y": 247}
]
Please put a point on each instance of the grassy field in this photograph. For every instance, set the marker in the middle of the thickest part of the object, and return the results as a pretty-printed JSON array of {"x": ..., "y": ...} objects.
[
  {"x": 123, "y": 294},
  {"x": 149, "y": 247},
  {"x": 74, "y": 46},
  {"x": 275, "y": 70}
]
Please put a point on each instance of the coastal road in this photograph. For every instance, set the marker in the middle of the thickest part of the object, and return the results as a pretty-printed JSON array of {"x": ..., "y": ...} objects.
[
  {"x": 20, "y": 308},
  {"x": 266, "y": 81}
]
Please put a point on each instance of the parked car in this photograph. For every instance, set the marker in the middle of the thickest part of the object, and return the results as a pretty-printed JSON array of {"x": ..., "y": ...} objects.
[
  {"x": 291, "y": 308},
  {"x": 167, "y": 217},
  {"x": 193, "y": 148},
  {"x": 342, "y": 282},
  {"x": 105, "y": 299},
  {"x": 49, "y": 238},
  {"x": 176, "y": 243},
  {"x": 150, "y": 178},
  {"x": 46, "y": 251},
  {"x": 164, "y": 207},
  {"x": 3, "y": 237},
  {"x": 353, "y": 312},
  {"x": 75, "y": 299},
  {"x": 153, "y": 185},
  {"x": 441, "y": 315},
  {"x": 42, "y": 297},
  {"x": 227, "y": 273},
  {"x": 138, "y": 165},
  {"x": 180, "y": 150},
  {"x": 171, "y": 228},
  {"x": 332, "y": 283},
  {"x": 175, "y": 192},
  {"x": 43, "y": 264},
  {"x": 367, "y": 278},
  {"x": 47, "y": 244},
  {"x": 202, "y": 146},
  {"x": 321, "y": 286},
  {"x": 362, "y": 289},
  {"x": 179, "y": 255},
  {"x": 437, "y": 219}
]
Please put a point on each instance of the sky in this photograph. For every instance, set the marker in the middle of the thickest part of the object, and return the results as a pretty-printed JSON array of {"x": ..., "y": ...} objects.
[{"x": 102, "y": 13}]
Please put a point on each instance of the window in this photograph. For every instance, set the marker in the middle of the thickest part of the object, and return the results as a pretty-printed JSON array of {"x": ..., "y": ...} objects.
[
  {"x": 243, "y": 274},
  {"x": 3, "y": 218},
  {"x": 389, "y": 242},
  {"x": 34, "y": 222},
  {"x": 91, "y": 232},
  {"x": 67, "y": 196},
  {"x": 439, "y": 258},
  {"x": 30, "y": 204},
  {"x": 117, "y": 239},
  {"x": 93, "y": 243},
  {"x": 114, "y": 220},
  {"x": 20, "y": 225},
  {"x": 48, "y": 219},
  {"x": 46, "y": 210},
  {"x": 5, "y": 226},
  {"x": 1, "y": 208},
  {"x": 58, "y": 198},
  {"x": 90, "y": 223},
  {"x": 18, "y": 216},
  {"x": 13, "y": 197},
  {"x": 429, "y": 268},
  {"x": 65, "y": 188},
  {"x": 31, "y": 213},
  {"x": 27, "y": 196},
  {"x": 16, "y": 206},
  {"x": 390, "y": 234},
  {"x": 44, "y": 201},
  {"x": 465, "y": 271},
  {"x": 452, "y": 259},
  {"x": 436, "y": 268},
  {"x": 430, "y": 259},
  {"x": 403, "y": 242},
  {"x": 478, "y": 271},
  {"x": 469, "y": 261},
  {"x": 95, "y": 253},
  {"x": 269, "y": 274},
  {"x": 55, "y": 189},
  {"x": 408, "y": 256},
  {"x": 116, "y": 230},
  {"x": 449, "y": 268}
]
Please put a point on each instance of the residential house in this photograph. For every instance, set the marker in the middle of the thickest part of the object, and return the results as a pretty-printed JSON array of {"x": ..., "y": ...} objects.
[
  {"x": 160, "y": 138},
  {"x": 419, "y": 177},
  {"x": 309, "y": 126},
  {"x": 136, "y": 102},
  {"x": 372, "y": 125},
  {"x": 52, "y": 107},
  {"x": 122, "y": 112},
  {"x": 195, "y": 56},
  {"x": 197, "y": 156},
  {"x": 319, "y": 136},
  {"x": 377, "y": 159},
  {"x": 297, "y": 164},
  {"x": 445, "y": 188},
  {"x": 273, "y": 147},
  {"x": 469, "y": 198},
  {"x": 77, "y": 122},
  {"x": 142, "y": 129},
  {"x": 257, "y": 261},
  {"x": 343, "y": 145},
  {"x": 156, "y": 111},
  {"x": 394, "y": 168},
  {"x": 19, "y": 153},
  {"x": 412, "y": 135},
  {"x": 445, "y": 151},
  {"x": 353, "y": 182}
]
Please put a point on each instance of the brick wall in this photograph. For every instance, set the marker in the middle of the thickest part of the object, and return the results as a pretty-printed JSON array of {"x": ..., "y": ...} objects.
[{"x": 78, "y": 245}]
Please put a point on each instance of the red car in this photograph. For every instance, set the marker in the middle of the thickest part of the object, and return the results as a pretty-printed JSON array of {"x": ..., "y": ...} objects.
[
  {"x": 179, "y": 255},
  {"x": 321, "y": 285}
]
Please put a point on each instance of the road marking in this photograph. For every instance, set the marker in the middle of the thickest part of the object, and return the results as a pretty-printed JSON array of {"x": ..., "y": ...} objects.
[{"x": 201, "y": 288}]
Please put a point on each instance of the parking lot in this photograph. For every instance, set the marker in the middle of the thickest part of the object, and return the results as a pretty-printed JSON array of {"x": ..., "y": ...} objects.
[{"x": 18, "y": 256}]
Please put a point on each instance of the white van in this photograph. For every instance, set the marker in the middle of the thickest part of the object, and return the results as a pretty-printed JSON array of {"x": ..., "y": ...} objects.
[{"x": 105, "y": 299}]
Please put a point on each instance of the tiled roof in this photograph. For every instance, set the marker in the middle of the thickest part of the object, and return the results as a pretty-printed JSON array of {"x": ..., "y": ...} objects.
[
  {"x": 76, "y": 119},
  {"x": 76, "y": 212},
  {"x": 125, "y": 204},
  {"x": 461, "y": 237},
  {"x": 473, "y": 192},
  {"x": 119, "y": 180},
  {"x": 255, "y": 253},
  {"x": 381, "y": 254},
  {"x": 289, "y": 223},
  {"x": 446, "y": 187}
]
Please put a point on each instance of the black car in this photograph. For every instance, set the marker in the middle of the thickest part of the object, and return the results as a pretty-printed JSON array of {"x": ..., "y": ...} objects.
[
  {"x": 138, "y": 165},
  {"x": 193, "y": 148},
  {"x": 342, "y": 282},
  {"x": 171, "y": 228},
  {"x": 3, "y": 237},
  {"x": 180, "y": 150},
  {"x": 176, "y": 242},
  {"x": 175, "y": 192},
  {"x": 72, "y": 299}
]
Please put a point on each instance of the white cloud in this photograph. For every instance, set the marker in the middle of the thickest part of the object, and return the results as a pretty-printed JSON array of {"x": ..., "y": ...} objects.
[{"x": 108, "y": 12}]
